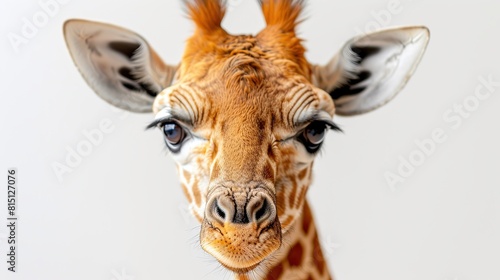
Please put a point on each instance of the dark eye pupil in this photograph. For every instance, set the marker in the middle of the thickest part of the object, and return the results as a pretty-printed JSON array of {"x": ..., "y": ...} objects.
[
  {"x": 315, "y": 133},
  {"x": 173, "y": 133}
]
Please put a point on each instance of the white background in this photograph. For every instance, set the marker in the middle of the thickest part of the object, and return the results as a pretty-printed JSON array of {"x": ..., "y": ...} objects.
[{"x": 120, "y": 214}]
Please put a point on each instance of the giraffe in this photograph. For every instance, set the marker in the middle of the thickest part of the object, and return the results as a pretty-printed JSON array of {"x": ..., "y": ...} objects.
[{"x": 243, "y": 117}]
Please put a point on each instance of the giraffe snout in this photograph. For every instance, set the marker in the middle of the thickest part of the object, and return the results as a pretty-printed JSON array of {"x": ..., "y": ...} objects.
[
  {"x": 241, "y": 227},
  {"x": 241, "y": 208}
]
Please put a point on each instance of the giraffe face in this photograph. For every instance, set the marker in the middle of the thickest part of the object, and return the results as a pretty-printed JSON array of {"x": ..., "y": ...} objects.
[
  {"x": 244, "y": 116},
  {"x": 244, "y": 145}
]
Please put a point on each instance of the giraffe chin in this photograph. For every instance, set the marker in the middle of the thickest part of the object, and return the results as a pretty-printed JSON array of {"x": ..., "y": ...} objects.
[
  {"x": 237, "y": 264},
  {"x": 240, "y": 270},
  {"x": 240, "y": 248}
]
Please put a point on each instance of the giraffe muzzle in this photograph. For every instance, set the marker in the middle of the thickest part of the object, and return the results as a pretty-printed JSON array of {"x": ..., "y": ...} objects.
[{"x": 241, "y": 227}]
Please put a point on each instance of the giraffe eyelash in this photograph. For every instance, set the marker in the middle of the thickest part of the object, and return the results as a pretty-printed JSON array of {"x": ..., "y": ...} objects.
[
  {"x": 158, "y": 122},
  {"x": 328, "y": 123},
  {"x": 317, "y": 117},
  {"x": 312, "y": 147},
  {"x": 169, "y": 119},
  {"x": 332, "y": 126}
]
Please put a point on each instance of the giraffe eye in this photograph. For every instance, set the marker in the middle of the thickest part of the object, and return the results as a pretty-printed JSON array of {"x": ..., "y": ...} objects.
[
  {"x": 313, "y": 135},
  {"x": 174, "y": 135}
]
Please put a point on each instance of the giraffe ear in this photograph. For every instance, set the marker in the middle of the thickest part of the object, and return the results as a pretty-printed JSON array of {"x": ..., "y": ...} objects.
[
  {"x": 118, "y": 64},
  {"x": 371, "y": 69}
]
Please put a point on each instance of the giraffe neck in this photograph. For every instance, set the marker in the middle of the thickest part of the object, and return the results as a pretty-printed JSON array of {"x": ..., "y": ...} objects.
[{"x": 300, "y": 256}]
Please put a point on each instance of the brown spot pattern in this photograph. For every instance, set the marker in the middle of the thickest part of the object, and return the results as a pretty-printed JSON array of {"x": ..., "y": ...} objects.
[
  {"x": 306, "y": 218},
  {"x": 276, "y": 272},
  {"x": 186, "y": 193},
  {"x": 293, "y": 193},
  {"x": 287, "y": 221},
  {"x": 280, "y": 201},
  {"x": 295, "y": 255},
  {"x": 302, "y": 174},
  {"x": 301, "y": 196},
  {"x": 186, "y": 175},
  {"x": 215, "y": 171},
  {"x": 196, "y": 193}
]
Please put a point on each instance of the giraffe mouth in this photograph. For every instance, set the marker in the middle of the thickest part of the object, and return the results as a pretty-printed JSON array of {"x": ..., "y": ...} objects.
[
  {"x": 240, "y": 270},
  {"x": 240, "y": 248}
]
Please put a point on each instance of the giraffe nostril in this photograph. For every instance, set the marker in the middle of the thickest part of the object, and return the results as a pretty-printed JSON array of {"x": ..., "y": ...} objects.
[
  {"x": 223, "y": 209},
  {"x": 262, "y": 211},
  {"x": 219, "y": 211}
]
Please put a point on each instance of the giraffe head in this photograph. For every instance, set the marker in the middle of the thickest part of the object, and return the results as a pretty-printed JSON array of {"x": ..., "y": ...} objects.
[{"x": 244, "y": 116}]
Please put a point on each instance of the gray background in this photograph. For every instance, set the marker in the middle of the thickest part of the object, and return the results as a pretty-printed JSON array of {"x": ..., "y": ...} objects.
[{"x": 120, "y": 214}]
